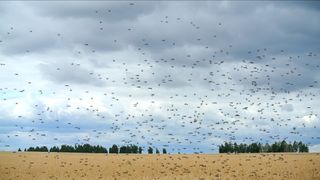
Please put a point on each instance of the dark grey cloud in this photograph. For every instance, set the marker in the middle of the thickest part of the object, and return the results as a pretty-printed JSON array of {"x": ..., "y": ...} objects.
[{"x": 263, "y": 25}]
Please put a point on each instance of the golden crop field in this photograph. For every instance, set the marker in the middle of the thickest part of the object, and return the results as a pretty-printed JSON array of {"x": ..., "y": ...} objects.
[{"x": 37, "y": 165}]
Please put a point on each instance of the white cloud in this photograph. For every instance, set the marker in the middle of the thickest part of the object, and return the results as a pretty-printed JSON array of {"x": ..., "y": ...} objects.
[
  {"x": 314, "y": 148},
  {"x": 310, "y": 119}
]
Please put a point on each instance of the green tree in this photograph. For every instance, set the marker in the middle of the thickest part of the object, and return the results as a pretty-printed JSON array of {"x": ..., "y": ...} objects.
[
  {"x": 123, "y": 149},
  {"x": 235, "y": 147},
  {"x": 266, "y": 148},
  {"x": 295, "y": 146},
  {"x": 164, "y": 151},
  {"x": 67, "y": 148},
  {"x": 44, "y": 149},
  {"x": 299, "y": 146},
  {"x": 254, "y": 148},
  {"x": 221, "y": 149},
  {"x": 280, "y": 146},
  {"x": 134, "y": 149},
  {"x": 114, "y": 149},
  {"x": 31, "y": 149},
  {"x": 54, "y": 149},
  {"x": 150, "y": 150},
  {"x": 274, "y": 147},
  {"x": 290, "y": 148},
  {"x": 283, "y": 146},
  {"x": 241, "y": 148}
]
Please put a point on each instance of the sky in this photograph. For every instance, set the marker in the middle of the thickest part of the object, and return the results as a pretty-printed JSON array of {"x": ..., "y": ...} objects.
[{"x": 182, "y": 75}]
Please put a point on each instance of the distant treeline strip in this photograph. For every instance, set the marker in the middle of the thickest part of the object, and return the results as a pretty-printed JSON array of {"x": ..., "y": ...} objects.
[
  {"x": 281, "y": 146},
  {"x": 87, "y": 148}
]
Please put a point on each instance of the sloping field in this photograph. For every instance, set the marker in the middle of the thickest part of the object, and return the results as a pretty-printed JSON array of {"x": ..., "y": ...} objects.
[{"x": 102, "y": 166}]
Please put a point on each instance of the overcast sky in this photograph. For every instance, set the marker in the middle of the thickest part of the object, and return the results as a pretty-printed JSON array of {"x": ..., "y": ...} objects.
[{"x": 182, "y": 75}]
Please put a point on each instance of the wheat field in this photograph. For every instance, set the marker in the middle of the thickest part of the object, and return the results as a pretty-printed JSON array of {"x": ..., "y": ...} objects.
[{"x": 28, "y": 165}]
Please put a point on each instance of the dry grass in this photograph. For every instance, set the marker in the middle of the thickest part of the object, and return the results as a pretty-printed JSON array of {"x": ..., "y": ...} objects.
[{"x": 101, "y": 166}]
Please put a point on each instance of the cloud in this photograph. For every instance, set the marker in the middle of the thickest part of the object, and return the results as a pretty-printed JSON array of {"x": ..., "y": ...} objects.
[
  {"x": 105, "y": 11},
  {"x": 314, "y": 148},
  {"x": 69, "y": 74},
  {"x": 156, "y": 74},
  {"x": 287, "y": 107}
]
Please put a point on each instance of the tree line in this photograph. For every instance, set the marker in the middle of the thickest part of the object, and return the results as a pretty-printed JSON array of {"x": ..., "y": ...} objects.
[
  {"x": 87, "y": 148},
  {"x": 281, "y": 146}
]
